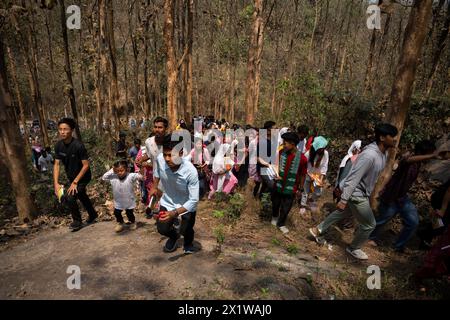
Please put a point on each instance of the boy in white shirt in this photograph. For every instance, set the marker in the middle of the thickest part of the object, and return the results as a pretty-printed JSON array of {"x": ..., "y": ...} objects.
[{"x": 123, "y": 184}]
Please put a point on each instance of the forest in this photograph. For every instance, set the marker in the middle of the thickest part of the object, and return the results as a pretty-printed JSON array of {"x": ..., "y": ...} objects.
[{"x": 340, "y": 67}]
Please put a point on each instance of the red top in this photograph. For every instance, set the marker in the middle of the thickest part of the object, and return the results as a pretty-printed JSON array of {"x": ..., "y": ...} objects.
[
  {"x": 302, "y": 169},
  {"x": 309, "y": 143}
]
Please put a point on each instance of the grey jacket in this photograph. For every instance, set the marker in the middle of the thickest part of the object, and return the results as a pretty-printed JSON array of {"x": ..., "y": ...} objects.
[{"x": 364, "y": 173}]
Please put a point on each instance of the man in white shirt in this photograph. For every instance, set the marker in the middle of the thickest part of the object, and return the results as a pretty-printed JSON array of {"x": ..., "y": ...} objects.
[
  {"x": 179, "y": 178},
  {"x": 45, "y": 161}
]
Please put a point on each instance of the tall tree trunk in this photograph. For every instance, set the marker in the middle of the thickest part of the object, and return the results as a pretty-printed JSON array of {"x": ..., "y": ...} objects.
[
  {"x": 157, "y": 87},
  {"x": 12, "y": 148},
  {"x": 402, "y": 87},
  {"x": 182, "y": 47},
  {"x": 369, "y": 70},
  {"x": 171, "y": 63},
  {"x": 146, "y": 24},
  {"x": 318, "y": 7},
  {"x": 19, "y": 99},
  {"x": 254, "y": 63},
  {"x": 190, "y": 40},
  {"x": 114, "y": 85},
  {"x": 68, "y": 69},
  {"x": 50, "y": 54},
  {"x": 34, "y": 57},
  {"x": 125, "y": 74},
  {"x": 83, "y": 77},
  {"x": 104, "y": 67},
  {"x": 134, "y": 46},
  {"x": 29, "y": 52}
]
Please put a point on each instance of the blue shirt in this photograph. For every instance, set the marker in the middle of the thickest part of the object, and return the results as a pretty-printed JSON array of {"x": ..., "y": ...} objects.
[{"x": 181, "y": 188}]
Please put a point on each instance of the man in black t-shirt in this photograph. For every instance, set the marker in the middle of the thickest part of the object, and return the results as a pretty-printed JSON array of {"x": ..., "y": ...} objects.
[{"x": 73, "y": 155}]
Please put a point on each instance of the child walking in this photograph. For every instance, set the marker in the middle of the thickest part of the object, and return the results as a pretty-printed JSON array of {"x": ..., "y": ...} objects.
[{"x": 123, "y": 184}]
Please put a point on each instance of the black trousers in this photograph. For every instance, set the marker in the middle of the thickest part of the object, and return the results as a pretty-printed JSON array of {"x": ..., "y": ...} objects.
[
  {"x": 267, "y": 186},
  {"x": 36, "y": 156},
  {"x": 281, "y": 205},
  {"x": 71, "y": 202},
  {"x": 129, "y": 213},
  {"x": 186, "y": 228}
]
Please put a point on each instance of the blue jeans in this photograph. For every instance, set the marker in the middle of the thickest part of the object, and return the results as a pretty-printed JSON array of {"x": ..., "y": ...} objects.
[{"x": 409, "y": 215}]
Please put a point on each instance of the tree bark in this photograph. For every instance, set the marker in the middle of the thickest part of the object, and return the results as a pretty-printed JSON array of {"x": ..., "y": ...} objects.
[
  {"x": 12, "y": 148},
  {"x": 104, "y": 67},
  {"x": 19, "y": 99},
  {"x": 34, "y": 58},
  {"x": 50, "y": 54},
  {"x": 318, "y": 7},
  {"x": 402, "y": 87},
  {"x": 254, "y": 63},
  {"x": 171, "y": 63},
  {"x": 114, "y": 85},
  {"x": 369, "y": 70},
  {"x": 190, "y": 40},
  {"x": 68, "y": 69},
  {"x": 146, "y": 24},
  {"x": 29, "y": 52},
  {"x": 134, "y": 46}
]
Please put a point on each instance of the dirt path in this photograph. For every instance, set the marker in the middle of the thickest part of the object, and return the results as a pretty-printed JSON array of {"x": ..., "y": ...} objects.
[
  {"x": 256, "y": 262},
  {"x": 132, "y": 265}
]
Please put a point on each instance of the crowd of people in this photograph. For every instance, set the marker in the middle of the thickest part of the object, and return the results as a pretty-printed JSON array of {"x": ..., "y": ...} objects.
[{"x": 175, "y": 169}]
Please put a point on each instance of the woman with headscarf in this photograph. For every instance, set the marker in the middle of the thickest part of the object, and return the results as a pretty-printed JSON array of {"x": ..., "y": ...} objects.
[
  {"x": 252, "y": 167},
  {"x": 317, "y": 169},
  {"x": 223, "y": 179},
  {"x": 280, "y": 139},
  {"x": 201, "y": 158}
]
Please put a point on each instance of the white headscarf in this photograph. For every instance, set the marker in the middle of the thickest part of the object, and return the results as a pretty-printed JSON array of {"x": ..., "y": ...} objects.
[
  {"x": 280, "y": 133},
  {"x": 219, "y": 165},
  {"x": 355, "y": 145}
]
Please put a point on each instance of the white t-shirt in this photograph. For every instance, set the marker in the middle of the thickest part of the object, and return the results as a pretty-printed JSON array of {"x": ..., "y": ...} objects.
[
  {"x": 45, "y": 163},
  {"x": 323, "y": 166},
  {"x": 123, "y": 190}
]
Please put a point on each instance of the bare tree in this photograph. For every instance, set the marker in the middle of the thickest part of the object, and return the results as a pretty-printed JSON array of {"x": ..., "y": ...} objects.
[
  {"x": 254, "y": 62},
  {"x": 171, "y": 63},
  {"x": 402, "y": 87},
  {"x": 70, "y": 88},
  {"x": 12, "y": 148}
]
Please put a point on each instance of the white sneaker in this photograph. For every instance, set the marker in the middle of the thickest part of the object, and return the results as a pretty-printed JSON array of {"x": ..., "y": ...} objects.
[
  {"x": 358, "y": 254},
  {"x": 315, "y": 232},
  {"x": 284, "y": 229},
  {"x": 274, "y": 221}
]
